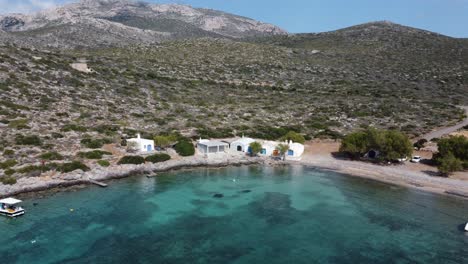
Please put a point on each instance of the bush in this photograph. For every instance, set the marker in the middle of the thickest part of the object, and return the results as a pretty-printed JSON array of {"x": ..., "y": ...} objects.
[
  {"x": 7, "y": 164},
  {"x": 449, "y": 164},
  {"x": 51, "y": 156},
  {"x": 9, "y": 172},
  {"x": 8, "y": 152},
  {"x": 95, "y": 154},
  {"x": 72, "y": 166},
  {"x": 132, "y": 160},
  {"x": 8, "y": 180},
  {"x": 255, "y": 148},
  {"x": 391, "y": 144},
  {"x": 294, "y": 136},
  {"x": 32, "y": 140},
  {"x": 74, "y": 127},
  {"x": 185, "y": 148},
  {"x": 158, "y": 158},
  {"x": 94, "y": 143},
  {"x": 452, "y": 155},
  {"x": 103, "y": 163}
]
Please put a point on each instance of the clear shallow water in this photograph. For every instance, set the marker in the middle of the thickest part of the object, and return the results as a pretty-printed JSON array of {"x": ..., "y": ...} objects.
[{"x": 267, "y": 215}]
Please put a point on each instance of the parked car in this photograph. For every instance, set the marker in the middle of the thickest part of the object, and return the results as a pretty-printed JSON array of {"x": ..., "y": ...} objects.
[{"x": 416, "y": 159}]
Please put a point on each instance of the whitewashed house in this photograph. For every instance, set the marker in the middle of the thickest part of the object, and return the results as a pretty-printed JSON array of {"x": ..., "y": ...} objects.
[
  {"x": 141, "y": 144},
  {"x": 268, "y": 148},
  {"x": 242, "y": 144},
  {"x": 206, "y": 146},
  {"x": 295, "y": 150}
]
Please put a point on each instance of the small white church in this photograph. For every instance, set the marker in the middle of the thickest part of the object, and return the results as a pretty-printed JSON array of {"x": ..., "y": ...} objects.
[{"x": 141, "y": 144}]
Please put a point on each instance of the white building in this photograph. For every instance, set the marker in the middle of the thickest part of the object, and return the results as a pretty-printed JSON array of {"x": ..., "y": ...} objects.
[
  {"x": 141, "y": 144},
  {"x": 242, "y": 144},
  {"x": 206, "y": 146},
  {"x": 269, "y": 148},
  {"x": 295, "y": 151}
]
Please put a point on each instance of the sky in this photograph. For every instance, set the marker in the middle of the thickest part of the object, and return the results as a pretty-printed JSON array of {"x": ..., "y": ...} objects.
[{"x": 448, "y": 17}]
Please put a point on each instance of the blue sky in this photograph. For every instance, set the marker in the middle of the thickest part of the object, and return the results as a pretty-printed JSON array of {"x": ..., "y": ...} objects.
[{"x": 449, "y": 17}]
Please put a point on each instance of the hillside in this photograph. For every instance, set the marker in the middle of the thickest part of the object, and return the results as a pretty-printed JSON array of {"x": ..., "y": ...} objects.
[
  {"x": 213, "y": 83},
  {"x": 97, "y": 23}
]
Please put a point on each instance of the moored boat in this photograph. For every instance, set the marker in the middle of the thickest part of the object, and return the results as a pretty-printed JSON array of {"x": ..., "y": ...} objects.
[{"x": 9, "y": 207}]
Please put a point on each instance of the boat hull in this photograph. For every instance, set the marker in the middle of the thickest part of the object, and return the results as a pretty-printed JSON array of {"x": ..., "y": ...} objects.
[{"x": 13, "y": 214}]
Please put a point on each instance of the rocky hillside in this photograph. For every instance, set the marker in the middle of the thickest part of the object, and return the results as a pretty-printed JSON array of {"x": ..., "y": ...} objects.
[
  {"x": 94, "y": 23},
  {"x": 210, "y": 79}
]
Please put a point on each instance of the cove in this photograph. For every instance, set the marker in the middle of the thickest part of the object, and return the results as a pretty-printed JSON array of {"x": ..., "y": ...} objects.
[{"x": 249, "y": 214}]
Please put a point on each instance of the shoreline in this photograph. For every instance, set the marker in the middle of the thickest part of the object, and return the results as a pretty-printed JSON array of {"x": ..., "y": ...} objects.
[
  {"x": 394, "y": 175},
  {"x": 78, "y": 177}
]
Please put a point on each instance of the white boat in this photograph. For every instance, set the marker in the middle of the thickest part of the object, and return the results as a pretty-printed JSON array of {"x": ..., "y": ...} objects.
[
  {"x": 466, "y": 227},
  {"x": 9, "y": 207}
]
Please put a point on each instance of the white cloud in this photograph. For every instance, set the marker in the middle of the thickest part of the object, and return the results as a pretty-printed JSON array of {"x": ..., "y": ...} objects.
[{"x": 27, "y": 6}]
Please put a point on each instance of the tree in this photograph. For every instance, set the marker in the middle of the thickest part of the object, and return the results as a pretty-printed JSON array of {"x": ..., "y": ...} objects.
[
  {"x": 449, "y": 164},
  {"x": 355, "y": 144},
  {"x": 391, "y": 144},
  {"x": 394, "y": 145},
  {"x": 164, "y": 141},
  {"x": 294, "y": 136},
  {"x": 283, "y": 149},
  {"x": 255, "y": 148},
  {"x": 185, "y": 148}
]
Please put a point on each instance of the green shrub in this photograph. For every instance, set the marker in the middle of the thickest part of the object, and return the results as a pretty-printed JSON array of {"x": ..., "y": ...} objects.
[
  {"x": 32, "y": 140},
  {"x": 95, "y": 154},
  {"x": 391, "y": 144},
  {"x": 7, "y": 164},
  {"x": 294, "y": 136},
  {"x": 18, "y": 124},
  {"x": 103, "y": 163},
  {"x": 72, "y": 166},
  {"x": 449, "y": 164},
  {"x": 8, "y": 152},
  {"x": 255, "y": 148},
  {"x": 132, "y": 160},
  {"x": 51, "y": 156},
  {"x": 158, "y": 158},
  {"x": 95, "y": 143},
  {"x": 8, "y": 180},
  {"x": 185, "y": 148},
  {"x": 9, "y": 172},
  {"x": 74, "y": 127}
]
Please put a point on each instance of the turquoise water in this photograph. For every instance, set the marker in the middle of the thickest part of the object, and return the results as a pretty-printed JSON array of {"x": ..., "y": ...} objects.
[{"x": 266, "y": 215}]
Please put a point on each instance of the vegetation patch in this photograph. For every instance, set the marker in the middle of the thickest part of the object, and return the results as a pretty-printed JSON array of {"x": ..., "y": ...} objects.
[
  {"x": 132, "y": 160},
  {"x": 103, "y": 163},
  {"x": 158, "y": 158},
  {"x": 72, "y": 166},
  {"x": 51, "y": 156},
  {"x": 391, "y": 145},
  {"x": 185, "y": 148},
  {"x": 95, "y": 154},
  {"x": 452, "y": 155},
  {"x": 32, "y": 140}
]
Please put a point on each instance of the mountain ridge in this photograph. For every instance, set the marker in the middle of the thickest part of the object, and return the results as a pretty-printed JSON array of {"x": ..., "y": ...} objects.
[{"x": 133, "y": 21}]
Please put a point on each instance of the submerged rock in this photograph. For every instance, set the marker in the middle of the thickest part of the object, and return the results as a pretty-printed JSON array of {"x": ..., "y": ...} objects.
[
  {"x": 245, "y": 191},
  {"x": 218, "y": 195}
]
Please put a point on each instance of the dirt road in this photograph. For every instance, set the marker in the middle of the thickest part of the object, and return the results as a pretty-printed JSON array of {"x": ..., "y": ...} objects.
[{"x": 447, "y": 130}]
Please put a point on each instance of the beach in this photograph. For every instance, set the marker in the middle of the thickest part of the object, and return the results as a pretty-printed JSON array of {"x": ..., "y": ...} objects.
[{"x": 320, "y": 154}]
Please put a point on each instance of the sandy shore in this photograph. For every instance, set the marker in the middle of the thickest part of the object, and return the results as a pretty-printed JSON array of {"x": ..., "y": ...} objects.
[
  {"x": 54, "y": 180},
  {"x": 419, "y": 176}
]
